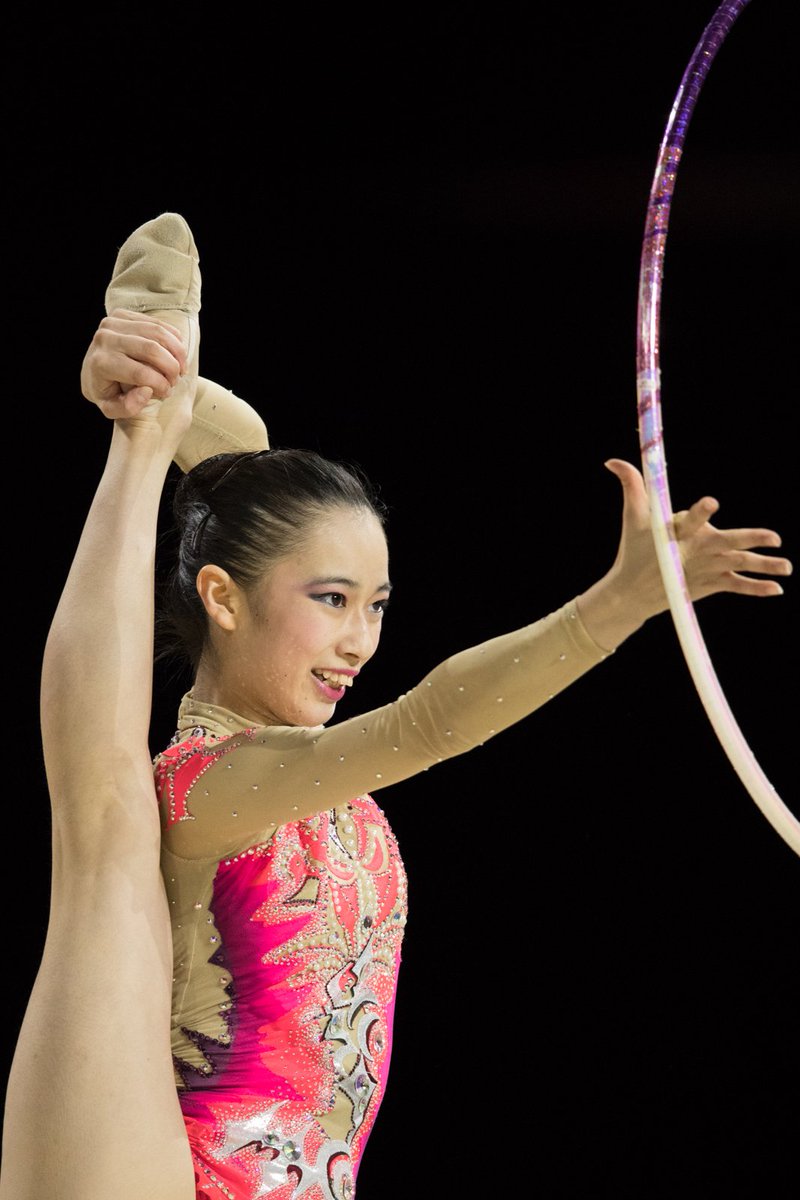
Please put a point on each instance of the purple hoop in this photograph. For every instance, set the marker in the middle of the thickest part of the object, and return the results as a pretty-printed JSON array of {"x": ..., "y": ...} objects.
[{"x": 651, "y": 435}]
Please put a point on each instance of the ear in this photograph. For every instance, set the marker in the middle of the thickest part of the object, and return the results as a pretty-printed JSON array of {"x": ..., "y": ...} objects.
[{"x": 222, "y": 597}]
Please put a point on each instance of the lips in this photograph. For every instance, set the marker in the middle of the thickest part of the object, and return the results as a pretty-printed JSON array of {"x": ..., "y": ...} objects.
[
  {"x": 334, "y": 679},
  {"x": 332, "y": 684}
]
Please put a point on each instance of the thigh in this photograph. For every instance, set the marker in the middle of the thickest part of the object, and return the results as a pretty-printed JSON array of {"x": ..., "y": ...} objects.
[{"x": 92, "y": 1109}]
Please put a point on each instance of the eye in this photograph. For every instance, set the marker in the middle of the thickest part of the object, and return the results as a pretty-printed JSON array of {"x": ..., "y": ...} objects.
[
  {"x": 380, "y": 606},
  {"x": 334, "y": 599}
]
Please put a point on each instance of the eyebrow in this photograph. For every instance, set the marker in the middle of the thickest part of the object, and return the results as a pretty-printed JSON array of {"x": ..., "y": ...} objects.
[{"x": 327, "y": 580}]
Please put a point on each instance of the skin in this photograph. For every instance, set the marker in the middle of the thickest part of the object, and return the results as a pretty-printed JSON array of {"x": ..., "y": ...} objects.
[
  {"x": 714, "y": 560},
  {"x": 320, "y": 609},
  {"x": 93, "y": 1053},
  {"x": 94, "y": 1048}
]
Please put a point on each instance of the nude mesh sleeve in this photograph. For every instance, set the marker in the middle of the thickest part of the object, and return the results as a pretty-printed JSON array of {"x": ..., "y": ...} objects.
[
  {"x": 269, "y": 776},
  {"x": 221, "y": 423}
]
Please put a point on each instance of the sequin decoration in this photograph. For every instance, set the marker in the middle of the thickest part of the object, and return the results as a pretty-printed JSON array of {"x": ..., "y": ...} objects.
[{"x": 284, "y": 995}]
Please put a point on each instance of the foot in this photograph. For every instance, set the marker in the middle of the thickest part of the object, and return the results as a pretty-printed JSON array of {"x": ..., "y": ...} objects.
[
  {"x": 145, "y": 350},
  {"x": 157, "y": 271}
]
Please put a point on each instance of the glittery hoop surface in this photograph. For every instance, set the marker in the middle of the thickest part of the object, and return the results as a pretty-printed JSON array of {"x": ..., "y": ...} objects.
[{"x": 651, "y": 436}]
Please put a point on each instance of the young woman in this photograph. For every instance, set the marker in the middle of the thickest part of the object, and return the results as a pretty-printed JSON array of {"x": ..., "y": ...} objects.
[{"x": 221, "y": 1026}]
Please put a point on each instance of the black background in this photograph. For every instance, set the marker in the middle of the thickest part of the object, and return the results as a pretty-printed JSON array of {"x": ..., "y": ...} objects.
[{"x": 420, "y": 232}]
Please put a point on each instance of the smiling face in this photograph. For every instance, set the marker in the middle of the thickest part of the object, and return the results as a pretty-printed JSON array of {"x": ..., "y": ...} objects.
[{"x": 299, "y": 636}]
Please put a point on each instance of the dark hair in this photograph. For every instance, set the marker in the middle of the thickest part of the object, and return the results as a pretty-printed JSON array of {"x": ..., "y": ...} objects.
[{"x": 245, "y": 512}]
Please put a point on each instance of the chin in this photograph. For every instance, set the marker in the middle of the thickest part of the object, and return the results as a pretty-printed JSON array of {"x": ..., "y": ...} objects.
[
  {"x": 323, "y": 716},
  {"x": 312, "y": 715}
]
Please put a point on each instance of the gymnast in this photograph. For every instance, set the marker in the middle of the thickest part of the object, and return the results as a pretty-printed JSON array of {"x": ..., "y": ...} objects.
[{"x": 212, "y": 1017}]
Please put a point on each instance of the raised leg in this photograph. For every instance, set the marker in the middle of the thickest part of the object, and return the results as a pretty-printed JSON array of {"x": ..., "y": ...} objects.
[{"x": 91, "y": 1110}]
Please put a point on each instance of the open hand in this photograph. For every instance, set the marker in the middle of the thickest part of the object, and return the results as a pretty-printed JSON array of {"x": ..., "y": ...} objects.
[{"x": 714, "y": 560}]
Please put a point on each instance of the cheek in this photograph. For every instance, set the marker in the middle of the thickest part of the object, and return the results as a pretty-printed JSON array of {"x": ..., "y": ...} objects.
[
  {"x": 305, "y": 637},
  {"x": 377, "y": 637}
]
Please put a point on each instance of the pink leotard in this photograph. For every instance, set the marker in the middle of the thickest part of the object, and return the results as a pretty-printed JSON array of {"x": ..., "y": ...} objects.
[{"x": 288, "y": 903}]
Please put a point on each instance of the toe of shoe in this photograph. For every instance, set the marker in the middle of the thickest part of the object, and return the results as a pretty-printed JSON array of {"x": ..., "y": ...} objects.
[{"x": 157, "y": 267}]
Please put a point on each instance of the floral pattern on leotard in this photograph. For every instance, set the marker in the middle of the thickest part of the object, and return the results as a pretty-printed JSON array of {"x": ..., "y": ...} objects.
[{"x": 282, "y": 1050}]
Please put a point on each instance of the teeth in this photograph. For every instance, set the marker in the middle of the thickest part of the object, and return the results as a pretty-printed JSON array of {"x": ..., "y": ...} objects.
[{"x": 335, "y": 679}]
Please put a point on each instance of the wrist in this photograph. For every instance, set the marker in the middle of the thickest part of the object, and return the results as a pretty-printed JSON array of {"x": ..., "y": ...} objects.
[
  {"x": 146, "y": 437},
  {"x": 608, "y": 612}
]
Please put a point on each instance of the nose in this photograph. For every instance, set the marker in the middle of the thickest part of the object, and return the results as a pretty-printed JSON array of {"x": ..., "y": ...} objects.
[{"x": 358, "y": 637}]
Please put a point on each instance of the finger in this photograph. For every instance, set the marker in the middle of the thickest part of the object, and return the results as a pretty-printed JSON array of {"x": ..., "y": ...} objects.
[
  {"x": 151, "y": 352},
  {"x": 743, "y": 585},
  {"x": 129, "y": 372},
  {"x": 687, "y": 523},
  {"x": 745, "y": 539},
  {"x": 162, "y": 350},
  {"x": 761, "y": 564},
  {"x": 127, "y": 404},
  {"x": 127, "y": 314},
  {"x": 149, "y": 329},
  {"x": 136, "y": 399}
]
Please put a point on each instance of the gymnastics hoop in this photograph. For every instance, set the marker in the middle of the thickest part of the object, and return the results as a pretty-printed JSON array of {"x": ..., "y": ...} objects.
[{"x": 651, "y": 435}]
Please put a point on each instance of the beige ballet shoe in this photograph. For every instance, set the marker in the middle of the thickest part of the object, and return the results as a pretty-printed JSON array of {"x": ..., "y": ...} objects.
[
  {"x": 157, "y": 267},
  {"x": 158, "y": 271}
]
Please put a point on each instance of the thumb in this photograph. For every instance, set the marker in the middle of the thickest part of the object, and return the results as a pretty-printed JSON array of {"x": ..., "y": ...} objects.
[
  {"x": 634, "y": 493},
  {"x": 136, "y": 399}
]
